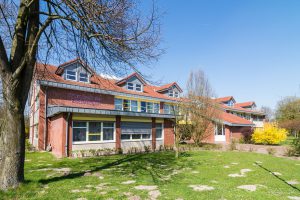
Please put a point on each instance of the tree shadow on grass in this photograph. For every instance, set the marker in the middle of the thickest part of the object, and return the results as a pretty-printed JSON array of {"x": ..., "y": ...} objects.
[
  {"x": 276, "y": 176},
  {"x": 147, "y": 163}
]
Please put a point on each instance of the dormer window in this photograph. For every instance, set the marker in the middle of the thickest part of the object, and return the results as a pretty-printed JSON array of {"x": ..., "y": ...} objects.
[
  {"x": 83, "y": 77},
  {"x": 71, "y": 75},
  {"x": 171, "y": 94},
  {"x": 230, "y": 103},
  {"x": 130, "y": 86},
  {"x": 176, "y": 94},
  {"x": 138, "y": 87}
]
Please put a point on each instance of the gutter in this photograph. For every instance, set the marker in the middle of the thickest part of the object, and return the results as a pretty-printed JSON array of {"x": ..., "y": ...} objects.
[{"x": 67, "y": 136}]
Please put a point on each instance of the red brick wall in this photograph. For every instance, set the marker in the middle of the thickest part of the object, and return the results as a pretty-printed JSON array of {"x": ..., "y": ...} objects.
[
  {"x": 169, "y": 138},
  {"x": 64, "y": 97},
  {"x": 153, "y": 133},
  {"x": 210, "y": 134},
  {"x": 57, "y": 128},
  {"x": 239, "y": 132},
  {"x": 41, "y": 125}
]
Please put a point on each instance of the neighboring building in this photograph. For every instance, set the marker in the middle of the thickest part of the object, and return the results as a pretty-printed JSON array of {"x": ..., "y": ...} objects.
[
  {"x": 236, "y": 120},
  {"x": 73, "y": 108}
]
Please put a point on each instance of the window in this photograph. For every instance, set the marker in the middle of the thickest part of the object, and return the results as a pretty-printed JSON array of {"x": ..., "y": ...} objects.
[
  {"x": 79, "y": 131},
  {"x": 83, "y": 77},
  {"x": 138, "y": 87},
  {"x": 126, "y": 105},
  {"x": 119, "y": 104},
  {"x": 130, "y": 86},
  {"x": 156, "y": 107},
  {"x": 108, "y": 130},
  {"x": 219, "y": 129},
  {"x": 136, "y": 131},
  {"x": 171, "y": 94},
  {"x": 149, "y": 107},
  {"x": 71, "y": 75},
  {"x": 176, "y": 94},
  {"x": 94, "y": 131},
  {"x": 134, "y": 106},
  {"x": 166, "y": 109},
  {"x": 143, "y": 106},
  {"x": 159, "y": 131}
]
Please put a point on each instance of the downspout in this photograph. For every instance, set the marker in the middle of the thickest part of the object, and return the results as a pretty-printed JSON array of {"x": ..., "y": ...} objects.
[
  {"x": 46, "y": 121},
  {"x": 67, "y": 136}
]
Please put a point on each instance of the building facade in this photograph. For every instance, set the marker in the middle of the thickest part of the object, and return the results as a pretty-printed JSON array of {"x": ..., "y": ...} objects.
[
  {"x": 73, "y": 109},
  {"x": 235, "y": 121}
]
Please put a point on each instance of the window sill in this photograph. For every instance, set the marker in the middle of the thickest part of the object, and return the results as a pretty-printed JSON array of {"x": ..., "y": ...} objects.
[
  {"x": 136, "y": 140},
  {"x": 95, "y": 142}
]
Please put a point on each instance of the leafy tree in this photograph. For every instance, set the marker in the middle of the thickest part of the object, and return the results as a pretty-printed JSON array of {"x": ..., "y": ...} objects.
[
  {"x": 108, "y": 34},
  {"x": 288, "y": 114}
]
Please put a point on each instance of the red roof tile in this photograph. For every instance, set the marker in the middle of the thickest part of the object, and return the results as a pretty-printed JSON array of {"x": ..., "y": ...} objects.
[
  {"x": 224, "y": 99},
  {"x": 233, "y": 119},
  {"x": 244, "y": 104},
  {"x": 47, "y": 72}
]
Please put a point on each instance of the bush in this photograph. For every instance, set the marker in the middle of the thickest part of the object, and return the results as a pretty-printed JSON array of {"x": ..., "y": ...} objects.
[
  {"x": 296, "y": 146},
  {"x": 271, "y": 151},
  {"x": 270, "y": 134},
  {"x": 233, "y": 145}
]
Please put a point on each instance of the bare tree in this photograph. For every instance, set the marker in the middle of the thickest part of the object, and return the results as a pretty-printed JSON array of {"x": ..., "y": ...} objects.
[
  {"x": 202, "y": 108},
  {"x": 268, "y": 111},
  {"x": 109, "y": 34}
]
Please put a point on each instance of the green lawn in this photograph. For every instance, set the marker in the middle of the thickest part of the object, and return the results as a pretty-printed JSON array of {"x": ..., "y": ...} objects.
[{"x": 173, "y": 178}]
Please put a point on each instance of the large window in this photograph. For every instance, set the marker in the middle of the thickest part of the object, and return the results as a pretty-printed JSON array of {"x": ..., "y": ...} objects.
[
  {"x": 79, "y": 131},
  {"x": 108, "y": 130},
  {"x": 126, "y": 105},
  {"x": 83, "y": 77},
  {"x": 171, "y": 94},
  {"x": 118, "y": 104},
  {"x": 219, "y": 129},
  {"x": 143, "y": 106},
  {"x": 167, "y": 109},
  {"x": 136, "y": 131},
  {"x": 134, "y": 106},
  {"x": 71, "y": 75},
  {"x": 159, "y": 131},
  {"x": 93, "y": 131}
]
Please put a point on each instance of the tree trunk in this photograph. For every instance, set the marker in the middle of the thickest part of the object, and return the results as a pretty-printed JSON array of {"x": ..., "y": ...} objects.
[{"x": 12, "y": 143}]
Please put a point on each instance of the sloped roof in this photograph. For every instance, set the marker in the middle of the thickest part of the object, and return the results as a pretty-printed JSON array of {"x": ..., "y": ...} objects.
[
  {"x": 224, "y": 99},
  {"x": 234, "y": 120},
  {"x": 135, "y": 74},
  {"x": 61, "y": 67},
  {"x": 245, "y": 104},
  {"x": 47, "y": 72},
  {"x": 167, "y": 86}
]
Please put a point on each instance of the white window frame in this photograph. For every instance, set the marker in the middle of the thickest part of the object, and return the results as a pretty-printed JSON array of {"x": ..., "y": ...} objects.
[
  {"x": 130, "y": 86},
  {"x": 87, "y": 77},
  {"x": 87, "y": 133},
  {"x": 71, "y": 75},
  {"x": 171, "y": 93},
  {"x": 140, "y": 86},
  {"x": 141, "y": 139},
  {"x": 223, "y": 129},
  {"x": 176, "y": 94}
]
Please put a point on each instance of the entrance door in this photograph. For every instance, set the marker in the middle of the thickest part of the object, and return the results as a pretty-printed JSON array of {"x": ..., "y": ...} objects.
[{"x": 220, "y": 133}]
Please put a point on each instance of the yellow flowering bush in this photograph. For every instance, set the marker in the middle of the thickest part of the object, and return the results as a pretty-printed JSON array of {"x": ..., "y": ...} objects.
[{"x": 270, "y": 134}]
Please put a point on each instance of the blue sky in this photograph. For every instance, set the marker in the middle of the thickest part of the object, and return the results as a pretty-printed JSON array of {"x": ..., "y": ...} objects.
[{"x": 249, "y": 49}]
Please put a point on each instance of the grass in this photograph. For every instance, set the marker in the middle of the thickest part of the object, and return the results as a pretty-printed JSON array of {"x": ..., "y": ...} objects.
[{"x": 156, "y": 169}]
